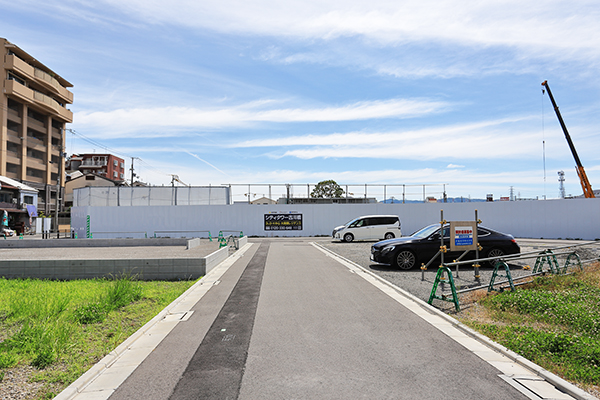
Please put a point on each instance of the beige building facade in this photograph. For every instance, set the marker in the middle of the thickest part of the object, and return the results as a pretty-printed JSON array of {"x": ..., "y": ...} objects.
[{"x": 33, "y": 117}]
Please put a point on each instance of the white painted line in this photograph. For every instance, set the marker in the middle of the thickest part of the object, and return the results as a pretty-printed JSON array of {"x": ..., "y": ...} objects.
[
  {"x": 505, "y": 360},
  {"x": 100, "y": 381}
]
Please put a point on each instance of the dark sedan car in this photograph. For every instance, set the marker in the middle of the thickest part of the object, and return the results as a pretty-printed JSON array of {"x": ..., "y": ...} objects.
[{"x": 421, "y": 246}]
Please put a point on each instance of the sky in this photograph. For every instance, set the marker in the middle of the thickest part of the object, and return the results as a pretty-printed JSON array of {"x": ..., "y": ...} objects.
[{"x": 445, "y": 94}]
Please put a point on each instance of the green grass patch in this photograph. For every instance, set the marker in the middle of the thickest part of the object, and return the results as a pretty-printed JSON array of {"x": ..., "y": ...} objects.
[
  {"x": 62, "y": 328},
  {"x": 553, "y": 321}
]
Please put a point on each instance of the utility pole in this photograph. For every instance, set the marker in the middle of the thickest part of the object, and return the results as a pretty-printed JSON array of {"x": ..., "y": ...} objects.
[
  {"x": 61, "y": 159},
  {"x": 132, "y": 174}
]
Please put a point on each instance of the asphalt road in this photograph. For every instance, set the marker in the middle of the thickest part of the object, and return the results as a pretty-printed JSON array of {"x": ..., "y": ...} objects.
[{"x": 318, "y": 331}]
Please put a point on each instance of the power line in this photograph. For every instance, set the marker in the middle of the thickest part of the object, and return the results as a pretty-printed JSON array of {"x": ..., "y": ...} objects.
[{"x": 108, "y": 149}]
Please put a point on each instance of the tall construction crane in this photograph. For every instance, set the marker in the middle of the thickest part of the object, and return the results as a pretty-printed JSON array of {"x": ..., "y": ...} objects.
[{"x": 585, "y": 183}]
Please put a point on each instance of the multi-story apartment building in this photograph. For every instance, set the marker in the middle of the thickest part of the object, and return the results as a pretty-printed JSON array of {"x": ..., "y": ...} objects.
[
  {"x": 33, "y": 115},
  {"x": 105, "y": 165}
]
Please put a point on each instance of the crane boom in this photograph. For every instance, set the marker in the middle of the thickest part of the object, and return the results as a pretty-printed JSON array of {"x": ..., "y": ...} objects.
[{"x": 585, "y": 183}]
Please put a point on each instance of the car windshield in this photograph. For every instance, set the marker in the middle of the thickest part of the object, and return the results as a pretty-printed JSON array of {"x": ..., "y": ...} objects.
[
  {"x": 349, "y": 222},
  {"x": 425, "y": 232}
]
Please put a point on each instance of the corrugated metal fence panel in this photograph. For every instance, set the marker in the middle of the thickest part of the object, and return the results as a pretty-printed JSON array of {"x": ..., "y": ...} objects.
[{"x": 573, "y": 218}]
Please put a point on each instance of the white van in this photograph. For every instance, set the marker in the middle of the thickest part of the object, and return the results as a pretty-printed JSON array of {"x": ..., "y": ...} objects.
[{"x": 369, "y": 227}]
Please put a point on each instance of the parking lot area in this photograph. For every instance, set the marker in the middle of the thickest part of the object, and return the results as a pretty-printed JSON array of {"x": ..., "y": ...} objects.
[{"x": 420, "y": 284}]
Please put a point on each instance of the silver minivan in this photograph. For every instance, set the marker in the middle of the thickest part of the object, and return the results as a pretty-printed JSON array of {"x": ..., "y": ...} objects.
[{"x": 369, "y": 227}]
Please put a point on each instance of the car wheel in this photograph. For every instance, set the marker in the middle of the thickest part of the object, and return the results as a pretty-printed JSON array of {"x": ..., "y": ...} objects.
[
  {"x": 389, "y": 235},
  {"x": 494, "y": 253},
  {"x": 348, "y": 237},
  {"x": 405, "y": 259}
]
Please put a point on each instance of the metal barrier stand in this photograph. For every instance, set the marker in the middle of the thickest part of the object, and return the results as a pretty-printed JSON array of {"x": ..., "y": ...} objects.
[
  {"x": 439, "y": 277},
  {"x": 498, "y": 264}
]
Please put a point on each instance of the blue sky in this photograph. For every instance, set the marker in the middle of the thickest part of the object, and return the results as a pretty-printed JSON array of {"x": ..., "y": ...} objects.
[{"x": 377, "y": 92}]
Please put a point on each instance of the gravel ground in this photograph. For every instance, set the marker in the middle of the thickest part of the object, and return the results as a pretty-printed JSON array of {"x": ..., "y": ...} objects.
[{"x": 420, "y": 284}]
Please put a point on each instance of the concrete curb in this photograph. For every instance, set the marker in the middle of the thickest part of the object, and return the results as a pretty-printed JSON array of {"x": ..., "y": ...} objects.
[
  {"x": 557, "y": 381},
  {"x": 77, "y": 387}
]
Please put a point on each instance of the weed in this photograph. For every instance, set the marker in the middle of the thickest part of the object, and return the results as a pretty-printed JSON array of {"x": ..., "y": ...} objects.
[
  {"x": 44, "y": 358},
  {"x": 64, "y": 327},
  {"x": 553, "y": 321},
  {"x": 122, "y": 291},
  {"x": 90, "y": 313},
  {"x": 7, "y": 360}
]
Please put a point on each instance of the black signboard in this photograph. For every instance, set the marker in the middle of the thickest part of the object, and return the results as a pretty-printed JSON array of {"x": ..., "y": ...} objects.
[{"x": 283, "y": 222}]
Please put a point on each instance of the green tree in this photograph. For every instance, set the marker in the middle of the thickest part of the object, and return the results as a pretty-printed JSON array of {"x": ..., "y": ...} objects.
[{"x": 327, "y": 189}]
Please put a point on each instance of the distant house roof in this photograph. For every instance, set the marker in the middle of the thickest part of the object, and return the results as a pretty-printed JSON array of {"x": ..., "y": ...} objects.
[
  {"x": 96, "y": 176},
  {"x": 263, "y": 200},
  {"x": 21, "y": 186}
]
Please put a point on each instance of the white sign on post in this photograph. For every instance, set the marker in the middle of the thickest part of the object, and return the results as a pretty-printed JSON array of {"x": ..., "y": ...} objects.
[{"x": 463, "y": 235}]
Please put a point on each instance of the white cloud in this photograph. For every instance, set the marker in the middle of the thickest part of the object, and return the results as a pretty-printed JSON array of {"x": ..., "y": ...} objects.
[
  {"x": 487, "y": 139},
  {"x": 174, "y": 119},
  {"x": 525, "y": 26}
]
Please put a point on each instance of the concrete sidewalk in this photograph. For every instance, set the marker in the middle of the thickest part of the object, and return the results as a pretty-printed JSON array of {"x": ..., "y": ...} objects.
[{"x": 291, "y": 320}]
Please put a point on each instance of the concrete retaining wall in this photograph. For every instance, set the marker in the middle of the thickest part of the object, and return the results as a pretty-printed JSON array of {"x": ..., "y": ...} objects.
[
  {"x": 556, "y": 219},
  {"x": 48, "y": 243},
  {"x": 145, "y": 269},
  {"x": 214, "y": 259}
]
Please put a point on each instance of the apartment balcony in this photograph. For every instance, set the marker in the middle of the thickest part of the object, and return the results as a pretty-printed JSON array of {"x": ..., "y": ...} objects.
[
  {"x": 16, "y": 64},
  {"x": 36, "y": 163},
  {"x": 41, "y": 77},
  {"x": 47, "y": 103},
  {"x": 9, "y": 206},
  {"x": 49, "y": 82},
  {"x": 14, "y": 116},
  {"x": 36, "y": 144},
  {"x": 35, "y": 124},
  {"x": 13, "y": 157},
  {"x": 13, "y": 136},
  {"x": 93, "y": 164}
]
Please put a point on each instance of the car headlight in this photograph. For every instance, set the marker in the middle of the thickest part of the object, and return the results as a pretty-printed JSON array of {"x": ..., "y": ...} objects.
[{"x": 387, "y": 249}]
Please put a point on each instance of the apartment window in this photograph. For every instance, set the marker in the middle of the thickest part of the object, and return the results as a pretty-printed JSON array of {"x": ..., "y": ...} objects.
[
  {"x": 122, "y": 176},
  {"x": 14, "y": 105},
  {"x": 36, "y": 173},
  {"x": 35, "y": 154},
  {"x": 115, "y": 163},
  {"x": 5, "y": 197},
  {"x": 13, "y": 126},
  {"x": 122, "y": 166},
  {"x": 13, "y": 77},
  {"x": 28, "y": 199},
  {"x": 13, "y": 147},
  {"x": 12, "y": 168},
  {"x": 36, "y": 115},
  {"x": 115, "y": 174},
  {"x": 31, "y": 133}
]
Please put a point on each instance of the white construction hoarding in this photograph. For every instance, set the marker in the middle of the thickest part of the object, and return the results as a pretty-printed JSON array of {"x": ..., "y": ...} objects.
[{"x": 572, "y": 218}]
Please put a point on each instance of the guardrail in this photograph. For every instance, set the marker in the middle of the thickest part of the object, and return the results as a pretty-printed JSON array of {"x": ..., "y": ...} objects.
[
  {"x": 159, "y": 233},
  {"x": 544, "y": 257}
]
